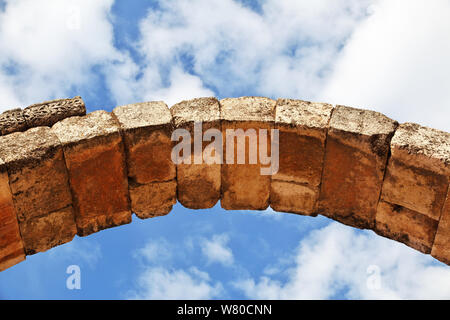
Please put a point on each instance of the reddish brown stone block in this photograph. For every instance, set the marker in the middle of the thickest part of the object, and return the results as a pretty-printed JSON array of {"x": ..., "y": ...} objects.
[
  {"x": 54, "y": 229},
  {"x": 153, "y": 199},
  {"x": 243, "y": 185},
  {"x": 355, "y": 160},
  {"x": 95, "y": 159},
  {"x": 198, "y": 183},
  {"x": 302, "y": 129},
  {"x": 417, "y": 178},
  {"x": 441, "y": 245},
  {"x": 412, "y": 228},
  {"x": 147, "y": 129},
  {"x": 293, "y": 197},
  {"x": 39, "y": 185},
  {"x": 418, "y": 171},
  {"x": 11, "y": 246}
]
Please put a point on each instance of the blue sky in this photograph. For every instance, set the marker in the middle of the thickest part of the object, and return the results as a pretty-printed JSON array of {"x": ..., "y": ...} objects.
[{"x": 384, "y": 55}]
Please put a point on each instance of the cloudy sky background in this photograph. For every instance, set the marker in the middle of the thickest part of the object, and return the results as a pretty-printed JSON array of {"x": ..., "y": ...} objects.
[{"x": 385, "y": 55}]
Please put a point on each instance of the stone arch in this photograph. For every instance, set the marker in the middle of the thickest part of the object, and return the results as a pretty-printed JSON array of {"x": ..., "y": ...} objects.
[{"x": 64, "y": 173}]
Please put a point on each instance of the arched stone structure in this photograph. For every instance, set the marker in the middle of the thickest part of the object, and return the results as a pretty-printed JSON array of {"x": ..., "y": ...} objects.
[{"x": 64, "y": 173}]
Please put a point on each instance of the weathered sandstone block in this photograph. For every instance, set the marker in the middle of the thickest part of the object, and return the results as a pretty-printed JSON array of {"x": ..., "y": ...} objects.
[
  {"x": 147, "y": 129},
  {"x": 417, "y": 178},
  {"x": 198, "y": 181},
  {"x": 153, "y": 199},
  {"x": 293, "y": 197},
  {"x": 11, "y": 246},
  {"x": 12, "y": 121},
  {"x": 302, "y": 129},
  {"x": 95, "y": 159},
  {"x": 407, "y": 226},
  {"x": 441, "y": 245},
  {"x": 418, "y": 172},
  {"x": 39, "y": 184},
  {"x": 49, "y": 112},
  {"x": 58, "y": 227},
  {"x": 243, "y": 185},
  {"x": 355, "y": 160}
]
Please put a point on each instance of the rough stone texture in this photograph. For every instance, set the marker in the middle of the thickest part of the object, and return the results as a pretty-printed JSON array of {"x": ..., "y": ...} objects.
[
  {"x": 355, "y": 159},
  {"x": 73, "y": 178},
  {"x": 302, "y": 129},
  {"x": 198, "y": 184},
  {"x": 407, "y": 226},
  {"x": 417, "y": 179},
  {"x": 418, "y": 172},
  {"x": 11, "y": 246},
  {"x": 58, "y": 227},
  {"x": 153, "y": 199},
  {"x": 12, "y": 121},
  {"x": 293, "y": 197},
  {"x": 49, "y": 112},
  {"x": 243, "y": 186},
  {"x": 147, "y": 129},
  {"x": 441, "y": 245},
  {"x": 39, "y": 184},
  {"x": 95, "y": 159}
]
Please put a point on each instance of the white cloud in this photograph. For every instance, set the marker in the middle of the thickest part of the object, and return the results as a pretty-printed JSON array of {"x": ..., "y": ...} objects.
[
  {"x": 161, "y": 283},
  {"x": 155, "y": 251},
  {"x": 385, "y": 55},
  {"x": 216, "y": 249},
  {"x": 394, "y": 59},
  {"x": 78, "y": 252},
  {"x": 340, "y": 261},
  {"x": 192, "y": 46},
  {"x": 397, "y": 62},
  {"x": 159, "y": 279},
  {"x": 49, "y": 47}
]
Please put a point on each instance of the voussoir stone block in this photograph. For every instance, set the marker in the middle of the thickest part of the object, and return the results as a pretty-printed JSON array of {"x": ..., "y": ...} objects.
[
  {"x": 39, "y": 184},
  {"x": 198, "y": 181},
  {"x": 404, "y": 225},
  {"x": 441, "y": 244},
  {"x": 95, "y": 159},
  {"x": 417, "y": 179},
  {"x": 147, "y": 129},
  {"x": 302, "y": 129},
  {"x": 244, "y": 187},
  {"x": 49, "y": 112},
  {"x": 11, "y": 246},
  {"x": 355, "y": 160},
  {"x": 418, "y": 172},
  {"x": 153, "y": 199}
]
